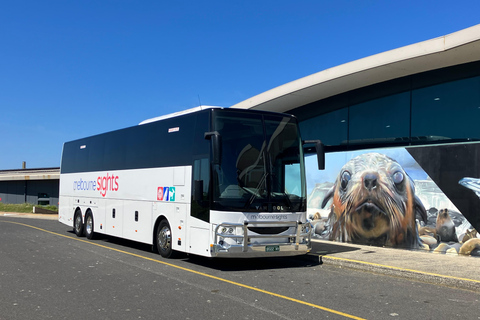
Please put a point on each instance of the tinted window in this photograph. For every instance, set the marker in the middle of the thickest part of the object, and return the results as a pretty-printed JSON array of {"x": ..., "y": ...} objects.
[
  {"x": 430, "y": 107},
  {"x": 447, "y": 111},
  {"x": 331, "y": 127},
  {"x": 380, "y": 120},
  {"x": 255, "y": 151},
  {"x": 201, "y": 168},
  {"x": 158, "y": 144}
]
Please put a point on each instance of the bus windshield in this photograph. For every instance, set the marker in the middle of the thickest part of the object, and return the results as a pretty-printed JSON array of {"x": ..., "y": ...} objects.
[{"x": 261, "y": 168}]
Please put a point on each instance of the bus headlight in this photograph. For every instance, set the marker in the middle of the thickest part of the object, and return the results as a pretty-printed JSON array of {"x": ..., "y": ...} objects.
[{"x": 227, "y": 230}]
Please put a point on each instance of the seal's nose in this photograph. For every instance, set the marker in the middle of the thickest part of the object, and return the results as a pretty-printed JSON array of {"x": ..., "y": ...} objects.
[{"x": 370, "y": 181}]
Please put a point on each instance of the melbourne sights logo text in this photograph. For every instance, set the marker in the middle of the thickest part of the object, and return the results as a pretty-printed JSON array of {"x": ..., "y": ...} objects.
[{"x": 102, "y": 184}]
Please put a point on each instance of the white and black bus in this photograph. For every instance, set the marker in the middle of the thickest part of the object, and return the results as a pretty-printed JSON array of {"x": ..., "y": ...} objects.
[{"x": 210, "y": 181}]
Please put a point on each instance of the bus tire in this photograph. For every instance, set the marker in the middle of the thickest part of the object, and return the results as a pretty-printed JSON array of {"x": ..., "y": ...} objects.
[
  {"x": 89, "y": 230},
  {"x": 78, "y": 224},
  {"x": 163, "y": 239}
]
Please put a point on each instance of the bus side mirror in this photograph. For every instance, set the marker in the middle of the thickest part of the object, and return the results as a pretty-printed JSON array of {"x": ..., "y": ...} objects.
[
  {"x": 198, "y": 190},
  {"x": 320, "y": 152},
  {"x": 216, "y": 140}
]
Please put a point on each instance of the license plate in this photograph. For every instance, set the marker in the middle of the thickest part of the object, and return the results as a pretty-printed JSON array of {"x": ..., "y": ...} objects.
[{"x": 272, "y": 248}]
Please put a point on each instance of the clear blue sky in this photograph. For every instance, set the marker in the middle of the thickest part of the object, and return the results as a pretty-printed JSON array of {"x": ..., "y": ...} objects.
[{"x": 71, "y": 69}]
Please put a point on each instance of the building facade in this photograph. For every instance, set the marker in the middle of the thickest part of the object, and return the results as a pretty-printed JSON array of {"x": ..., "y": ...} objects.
[
  {"x": 35, "y": 186},
  {"x": 401, "y": 133}
]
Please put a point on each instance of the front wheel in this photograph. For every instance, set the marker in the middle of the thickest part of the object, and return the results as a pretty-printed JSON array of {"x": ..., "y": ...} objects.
[{"x": 163, "y": 239}]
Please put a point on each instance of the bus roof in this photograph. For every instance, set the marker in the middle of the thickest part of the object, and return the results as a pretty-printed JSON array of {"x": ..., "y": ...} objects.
[{"x": 176, "y": 114}]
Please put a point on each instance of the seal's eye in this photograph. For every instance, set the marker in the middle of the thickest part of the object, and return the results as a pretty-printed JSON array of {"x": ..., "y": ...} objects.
[
  {"x": 398, "y": 178},
  {"x": 345, "y": 178}
]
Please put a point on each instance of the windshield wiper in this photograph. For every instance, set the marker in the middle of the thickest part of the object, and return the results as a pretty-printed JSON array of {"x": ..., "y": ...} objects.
[
  {"x": 287, "y": 200},
  {"x": 254, "y": 195}
]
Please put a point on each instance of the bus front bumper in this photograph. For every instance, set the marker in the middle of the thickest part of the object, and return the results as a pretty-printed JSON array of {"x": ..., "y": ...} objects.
[
  {"x": 270, "y": 250},
  {"x": 262, "y": 245}
]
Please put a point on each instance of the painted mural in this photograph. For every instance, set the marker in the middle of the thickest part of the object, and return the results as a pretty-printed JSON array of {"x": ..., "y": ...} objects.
[{"x": 416, "y": 198}]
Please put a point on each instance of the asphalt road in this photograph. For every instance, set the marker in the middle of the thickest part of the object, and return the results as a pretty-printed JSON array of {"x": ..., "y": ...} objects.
[{"x": 46, "y": 272}]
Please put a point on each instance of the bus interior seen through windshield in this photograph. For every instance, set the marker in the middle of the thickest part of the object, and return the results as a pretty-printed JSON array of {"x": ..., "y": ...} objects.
[{"x": 261, "y": 164}]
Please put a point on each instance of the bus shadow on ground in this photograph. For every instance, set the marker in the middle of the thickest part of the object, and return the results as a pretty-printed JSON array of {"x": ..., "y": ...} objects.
[
  {"x": 102, "y": 238},
  {"x": 247, "y": 264},
  {"x": 222, "y": 264},
  {"x": 325, "y": 248},
  {"x": 244, "y": 264}
]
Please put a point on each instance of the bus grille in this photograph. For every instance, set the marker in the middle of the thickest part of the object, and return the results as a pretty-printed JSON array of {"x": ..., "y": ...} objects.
[{"x": 265, "y": 230}]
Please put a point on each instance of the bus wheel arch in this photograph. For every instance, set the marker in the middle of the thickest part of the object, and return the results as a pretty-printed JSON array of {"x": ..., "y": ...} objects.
[
  {"x": 78, "y": 226},
  {"x": 163, "y": 238},
  {"x": 89, "y": 225},
  {"x": 157, "y": 222}
]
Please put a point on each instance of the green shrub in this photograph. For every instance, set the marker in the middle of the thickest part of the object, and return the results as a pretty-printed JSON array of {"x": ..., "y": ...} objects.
[{"x": 23, "y": 208}]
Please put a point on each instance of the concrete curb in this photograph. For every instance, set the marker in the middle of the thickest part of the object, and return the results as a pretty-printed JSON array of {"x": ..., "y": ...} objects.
[
  {"x": 43, "y": 210},
  {"x": 43, "y": 216},
  {"x": 438, "y": 279}
]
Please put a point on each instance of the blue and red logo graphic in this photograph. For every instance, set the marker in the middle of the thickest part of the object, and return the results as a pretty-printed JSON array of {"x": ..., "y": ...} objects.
[{"x": 166, "y": 194}]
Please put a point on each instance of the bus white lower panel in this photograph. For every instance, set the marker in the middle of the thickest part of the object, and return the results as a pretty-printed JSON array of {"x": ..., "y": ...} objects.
[{"x": 199, "y": 241}]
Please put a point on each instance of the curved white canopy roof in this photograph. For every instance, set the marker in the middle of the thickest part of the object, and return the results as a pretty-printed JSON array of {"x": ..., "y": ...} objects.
[{"x": 456, "y": 48}]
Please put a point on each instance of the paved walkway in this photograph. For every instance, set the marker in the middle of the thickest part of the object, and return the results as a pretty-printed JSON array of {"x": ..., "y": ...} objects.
[{"x": 448, "y": 269}]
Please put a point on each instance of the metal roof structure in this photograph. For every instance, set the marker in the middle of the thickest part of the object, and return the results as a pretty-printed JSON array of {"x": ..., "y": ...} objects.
[
  {"x": 30, "y": 174},
  {"x": 453, "y": 49}
]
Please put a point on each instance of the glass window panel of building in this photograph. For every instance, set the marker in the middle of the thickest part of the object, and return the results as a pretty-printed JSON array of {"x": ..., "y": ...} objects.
[
  {"x": 380, "y": 120},
  {"x": 330, "y": 127},
  {"x": 448, "y": 111}
]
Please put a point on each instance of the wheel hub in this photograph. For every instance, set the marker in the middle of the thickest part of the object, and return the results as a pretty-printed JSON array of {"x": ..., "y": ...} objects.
[{"x": 164, "y": 239}]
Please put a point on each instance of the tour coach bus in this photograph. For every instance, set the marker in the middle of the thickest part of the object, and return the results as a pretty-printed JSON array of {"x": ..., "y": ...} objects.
[{"x": 209, "y": 181}]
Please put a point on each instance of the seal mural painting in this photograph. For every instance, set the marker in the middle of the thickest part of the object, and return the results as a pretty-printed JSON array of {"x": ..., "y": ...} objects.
[{"x": 373, "y": 201}]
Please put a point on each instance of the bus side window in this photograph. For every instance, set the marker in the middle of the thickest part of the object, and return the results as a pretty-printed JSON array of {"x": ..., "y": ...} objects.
[{"x": 201, "y": 182}]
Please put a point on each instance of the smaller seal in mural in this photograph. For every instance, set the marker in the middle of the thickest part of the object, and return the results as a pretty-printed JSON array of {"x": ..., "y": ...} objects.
[
  {"x": 447, "y": 231},
  {"x": 373, "y": 202},
  {"x": 445, "y": 228}
]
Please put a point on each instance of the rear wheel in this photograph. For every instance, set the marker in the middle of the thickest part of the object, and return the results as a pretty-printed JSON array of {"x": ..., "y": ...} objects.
[
  {"x": 163, "y": 239},
  {"x": 89, "y": 231},
  {"x": 78, "y": 224}
]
